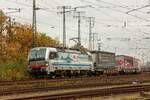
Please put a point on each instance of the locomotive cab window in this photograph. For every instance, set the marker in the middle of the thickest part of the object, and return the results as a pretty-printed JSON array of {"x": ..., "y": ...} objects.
[{"x": 53, "y": 55}]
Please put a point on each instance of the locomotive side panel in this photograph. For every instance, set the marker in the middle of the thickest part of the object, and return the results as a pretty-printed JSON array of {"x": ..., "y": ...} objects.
[{"x": 72, "y": 61}]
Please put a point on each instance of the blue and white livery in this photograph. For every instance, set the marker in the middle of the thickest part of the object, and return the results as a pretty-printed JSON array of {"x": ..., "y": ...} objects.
[{"x": 47, "y": 60}]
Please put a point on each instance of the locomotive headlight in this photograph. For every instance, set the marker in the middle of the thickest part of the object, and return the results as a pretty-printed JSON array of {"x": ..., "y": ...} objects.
[{"x": 47, "y": 64}]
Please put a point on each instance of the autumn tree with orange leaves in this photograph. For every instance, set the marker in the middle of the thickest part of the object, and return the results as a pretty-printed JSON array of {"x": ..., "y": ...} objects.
[{"x": 15, "y": 41}]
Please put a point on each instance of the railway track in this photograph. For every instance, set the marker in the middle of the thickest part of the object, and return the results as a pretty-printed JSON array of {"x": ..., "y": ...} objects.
[
  {"x": 52, "y": 88},
  {"x": 63, "y": 87},
  {"x": 98, "y": 78},
  {"x": 75, "y": 84},
  {"x": 102, "y": 80},
  {"x": 89, "y": 92}
]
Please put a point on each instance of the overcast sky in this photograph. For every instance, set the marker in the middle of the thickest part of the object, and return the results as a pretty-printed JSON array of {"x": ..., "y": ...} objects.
[{"x": 119, "y": 30}]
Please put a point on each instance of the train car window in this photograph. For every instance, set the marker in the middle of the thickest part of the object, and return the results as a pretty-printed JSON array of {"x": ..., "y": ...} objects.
[
  {"x": 53, "y": 55},
  {"x": 41, "y": 54},
  {"x": 32, "y": 55},
  {"x": 37, "y": 55}
]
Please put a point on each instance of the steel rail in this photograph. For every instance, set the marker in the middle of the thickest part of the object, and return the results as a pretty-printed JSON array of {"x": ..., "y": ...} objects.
[
  {"x": 29, "y": 81},
  {"x": 92, "y": 92}
]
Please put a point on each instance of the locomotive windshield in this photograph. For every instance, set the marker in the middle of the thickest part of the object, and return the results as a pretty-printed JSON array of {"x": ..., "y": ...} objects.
[
  {"x": 53, "y": 55},
  {"x": 37, "y": 55}
]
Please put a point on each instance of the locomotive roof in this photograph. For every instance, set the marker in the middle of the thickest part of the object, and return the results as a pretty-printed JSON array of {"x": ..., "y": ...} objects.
[
  {"x": 51, "y": 48},
  {"x": 58, "y": 49},
  {"x": 102, "y": 52}
]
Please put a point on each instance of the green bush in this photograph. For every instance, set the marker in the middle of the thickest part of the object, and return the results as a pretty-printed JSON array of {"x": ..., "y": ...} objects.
[{"x": 13, "y": 70}]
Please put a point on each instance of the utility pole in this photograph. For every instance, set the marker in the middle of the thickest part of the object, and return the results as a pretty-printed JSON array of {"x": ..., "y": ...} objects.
[
  {"x": 78, "y": 16},
  {"x": 91, "y": 25},
  {"x": 64, "y": 27},
  {"x": 10, "y": 25},
  {"x": 99, "y": 43},
  {"x": 63, "y": 12},
  {"x": 99, "y": 46},
  {"x": 34, "y": 24},
  {"x": 94, "y": 35},
  {"x": 93, "y": 40},
  {"x": 9, "y": 30},
  {"x": 1, "y": 22},
  {"x": 1, "y": 35},
  {"x": 34, "y": 27}
]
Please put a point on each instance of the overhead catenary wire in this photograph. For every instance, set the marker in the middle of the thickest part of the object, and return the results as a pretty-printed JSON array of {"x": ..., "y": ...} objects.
[
  {"x": 105, "y": 2},
  {"x": 118, "y": 11},
  {"x": 116, "y": 5},
  {"x": 45, "y": 6},
  {"x": 137, "y": 9},
  {"x": 42, "y": 8},
  {"x": 27, "y": 20}
]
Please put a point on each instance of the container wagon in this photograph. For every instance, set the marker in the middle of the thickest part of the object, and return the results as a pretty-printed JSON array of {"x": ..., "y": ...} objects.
[
  {"x": 127, "y": 64},
  {"x": 104, "y": 62}
]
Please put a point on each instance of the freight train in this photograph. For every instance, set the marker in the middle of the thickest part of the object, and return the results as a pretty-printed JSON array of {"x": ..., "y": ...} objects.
[{"x": 57, "y": 62}]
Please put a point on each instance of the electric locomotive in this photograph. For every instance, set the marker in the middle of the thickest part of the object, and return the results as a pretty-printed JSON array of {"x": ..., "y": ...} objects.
[{"x": 57, "y": 62}]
